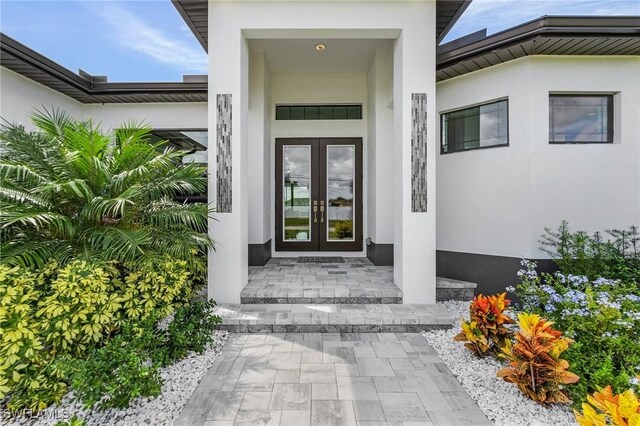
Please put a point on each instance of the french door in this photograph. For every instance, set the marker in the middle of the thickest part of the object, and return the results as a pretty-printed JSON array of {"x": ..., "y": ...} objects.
[{"x": 319, "y": 194}]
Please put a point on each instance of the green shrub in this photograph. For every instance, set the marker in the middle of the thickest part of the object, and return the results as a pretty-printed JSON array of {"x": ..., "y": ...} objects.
[
  {"x": 344, "y": 229},
  {"x": 27, "y": 377},
  {"x": 602, "y": 315},
  {"x": 82, "y": 306},
  {"x": 117, "y": 372},
  {"x": 154, "y": 288},
  {"x": 73, "y": 421},
  {"x": 190, "y": 330},
  {"x": 578, "y": 253},
  {"x": 69, "y": 191}
]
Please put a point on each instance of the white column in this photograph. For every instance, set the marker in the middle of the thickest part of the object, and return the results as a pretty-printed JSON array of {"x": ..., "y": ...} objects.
[
  {"x": 414, "y": 232},
  {"x": 228, "y": 74}
]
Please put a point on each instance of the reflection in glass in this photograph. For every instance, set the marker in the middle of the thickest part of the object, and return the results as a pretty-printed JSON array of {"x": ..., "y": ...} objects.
[
  {"x": 340, "y": 178},
  {"x": 575, "y": 119},
  {"x": 296, "y": 192},
  {"x": 476, "y": 127}
]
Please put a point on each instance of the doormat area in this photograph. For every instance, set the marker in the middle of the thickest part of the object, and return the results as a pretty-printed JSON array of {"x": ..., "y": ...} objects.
[{"x": 320, "y": 259}]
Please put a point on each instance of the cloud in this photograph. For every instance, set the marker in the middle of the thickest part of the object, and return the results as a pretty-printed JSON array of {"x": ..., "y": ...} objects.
[
  {"x": 498, "y": 15},
  {"x": 133, "y": 33}
]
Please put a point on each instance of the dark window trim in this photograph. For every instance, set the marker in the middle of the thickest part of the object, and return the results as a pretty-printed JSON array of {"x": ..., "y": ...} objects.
[
  {"x": 610, "y": 123},
  {"x": 318, "y": 106},
  {"x": 442, "y": 114}
]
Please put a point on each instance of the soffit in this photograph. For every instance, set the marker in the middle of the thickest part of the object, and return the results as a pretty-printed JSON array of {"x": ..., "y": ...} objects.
[
  {"x": 25, "y": 61},
  {"x": 561, "y": 35},
  {"x": 196, "y": 15}
]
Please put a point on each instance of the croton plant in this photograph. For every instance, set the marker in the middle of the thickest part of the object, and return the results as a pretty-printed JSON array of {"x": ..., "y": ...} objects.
[
  {"x": 535, "y": 365},
  {"x": 605, "y": 408},
  {"x": 486, "y": 331}
]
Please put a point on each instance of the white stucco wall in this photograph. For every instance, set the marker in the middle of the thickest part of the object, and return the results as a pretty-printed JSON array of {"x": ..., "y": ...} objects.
[
  {"x": 411, "y": 27},
  {"x": 497, "y": 201},
  {"x": 20, "y": 96}
]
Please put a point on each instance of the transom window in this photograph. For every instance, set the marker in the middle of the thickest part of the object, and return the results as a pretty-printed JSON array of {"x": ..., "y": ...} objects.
[
  {"x": 318, "y": 112},
  {"x": 580, "y": 119},
  {"x": 482, "y": 126}
]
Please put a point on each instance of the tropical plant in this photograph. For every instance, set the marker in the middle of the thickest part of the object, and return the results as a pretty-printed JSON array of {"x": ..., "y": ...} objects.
[
  {"x": 191, "y": 329},
  {"x": 486, "y": 329},
  {"x": 603, "y": 317},
  {"x": 535, "y": 365},
  {"x": 67, "y": 190},
  {"x": 605, "y": 408}
]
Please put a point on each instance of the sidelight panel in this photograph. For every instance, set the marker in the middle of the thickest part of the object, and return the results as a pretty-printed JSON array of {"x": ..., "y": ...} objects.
[
  {"x": 340, "y": 192},
  {"x": 296, "y": 193}
]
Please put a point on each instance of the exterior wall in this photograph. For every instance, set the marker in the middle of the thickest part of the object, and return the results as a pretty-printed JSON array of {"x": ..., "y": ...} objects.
[
  {"x": 20, "y": 96},
  {"x": 410, "y": 25},
  {"x": 498, "y": 201}
]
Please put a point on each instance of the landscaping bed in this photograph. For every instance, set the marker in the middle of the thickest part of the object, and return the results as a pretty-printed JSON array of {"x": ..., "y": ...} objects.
[
  {"x": 500, "y": 401},
  {"x": 179, "y": 382}
]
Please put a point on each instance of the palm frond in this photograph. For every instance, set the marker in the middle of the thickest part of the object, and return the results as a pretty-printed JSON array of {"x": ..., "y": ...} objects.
[
  {"x": 20, "y": 173},
  {"x": 18, "y": 195},
  {"x": 168, "y": 215},
  {"x": 36, "y": 218},
  {"x": 117, "y": 243},
  {"x": 35, "y": 253},
  {"x": 70, "y": 189},
  {"x": 53, "y": 122}
]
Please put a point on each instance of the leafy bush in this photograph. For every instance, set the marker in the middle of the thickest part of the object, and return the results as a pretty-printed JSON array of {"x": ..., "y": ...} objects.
[
  {"x": 117, "y": 372},
  {"x": 601, "y": 315},
  {"x": 190, "y": 330},
  {"x": 81, "y": 308},
  {"x": 73, "y": 421},
  {"x": 344, "y": 229},
  {"x": 578, "y": 253},
  {"x": 27, "y": 377},
  {"x": 486, "y": 329},
  {"x": 68, "y": 191},
  {"x": 155, "y": 288},
  {"x": 605, "y": 408},
  {"x": 535, "y": 364}
]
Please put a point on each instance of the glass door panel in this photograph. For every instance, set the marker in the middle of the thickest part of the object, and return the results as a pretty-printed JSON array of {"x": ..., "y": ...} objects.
[
  {"x": 340, "y": 192},
  {"x": 296, "y": 191}
]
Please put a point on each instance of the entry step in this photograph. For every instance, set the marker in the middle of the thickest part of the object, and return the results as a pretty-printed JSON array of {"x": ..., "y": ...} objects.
[
  {"x": 449, "y": 289},
  {"x": 332, "y": 318}
]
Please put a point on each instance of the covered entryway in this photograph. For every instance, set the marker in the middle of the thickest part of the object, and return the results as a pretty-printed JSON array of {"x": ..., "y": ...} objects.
[{"x": 319, "y": 194}]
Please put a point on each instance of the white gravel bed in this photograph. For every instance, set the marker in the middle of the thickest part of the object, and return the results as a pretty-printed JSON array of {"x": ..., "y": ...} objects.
[
  {"x": 500, "y": 401},
  {"x": 179, "y": 382}
]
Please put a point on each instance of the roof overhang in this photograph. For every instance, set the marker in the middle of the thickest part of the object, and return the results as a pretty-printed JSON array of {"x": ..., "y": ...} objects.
[
  {"x": 548, "y": 35},
  {"x": 29, "y": 63},
  {"x": 196, "y": 14}
]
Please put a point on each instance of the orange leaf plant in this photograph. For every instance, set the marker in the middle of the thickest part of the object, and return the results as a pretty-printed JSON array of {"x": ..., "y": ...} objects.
[
  {"x": 535, "y": 364},
  {"x": 486, "y": 329},
  {"x": 605, "y": 408}
]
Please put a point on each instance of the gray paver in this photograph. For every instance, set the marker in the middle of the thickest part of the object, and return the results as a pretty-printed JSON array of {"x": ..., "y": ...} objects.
[{"x": 280, "y": 388}]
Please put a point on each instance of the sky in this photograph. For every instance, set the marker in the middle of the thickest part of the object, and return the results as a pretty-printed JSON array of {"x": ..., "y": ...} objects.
[{"x": 147, "y": 40}]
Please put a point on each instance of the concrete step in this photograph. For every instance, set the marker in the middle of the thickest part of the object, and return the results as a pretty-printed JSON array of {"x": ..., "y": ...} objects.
[
  {"x": 449, "y": 289},
  {"x": 332, "y": 318}
]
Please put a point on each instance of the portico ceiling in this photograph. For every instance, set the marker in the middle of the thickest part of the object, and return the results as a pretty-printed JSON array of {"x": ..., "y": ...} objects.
[
  {"x": 196, "y": 15},
  {"x": 300, "y": 55}
]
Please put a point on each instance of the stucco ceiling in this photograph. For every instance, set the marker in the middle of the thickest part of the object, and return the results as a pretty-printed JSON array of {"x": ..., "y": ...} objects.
[{"x": 300, "y": 56}]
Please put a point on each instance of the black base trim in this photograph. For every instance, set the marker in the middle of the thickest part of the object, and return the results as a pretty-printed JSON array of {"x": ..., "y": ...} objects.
[
  {"x": 259, "y": 254},
  {"x": 380, "y": 254},
  {"x": 491, "y": 273}
]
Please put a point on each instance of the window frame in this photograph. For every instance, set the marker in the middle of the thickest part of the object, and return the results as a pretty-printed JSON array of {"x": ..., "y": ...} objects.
[
  {"x": 610, "y": 116},
  {"x": 347, "y": 108},
  {"x": 478, "y": 105}
]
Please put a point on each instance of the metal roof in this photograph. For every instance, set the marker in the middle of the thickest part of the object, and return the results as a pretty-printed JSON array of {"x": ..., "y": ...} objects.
[
  {"x": 29, "y": 63},
  {"x": 195, "y": 13},
  {"x": 548, "y": 35}
]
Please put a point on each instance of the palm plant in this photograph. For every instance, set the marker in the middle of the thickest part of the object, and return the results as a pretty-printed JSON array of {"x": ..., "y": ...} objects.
[{"x": 67, "y": 190}]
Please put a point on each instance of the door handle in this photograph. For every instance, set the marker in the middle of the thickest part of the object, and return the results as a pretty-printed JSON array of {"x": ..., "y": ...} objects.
[
  {"x": 321, "y": 211},
  {"x": 315, "y": 211}
]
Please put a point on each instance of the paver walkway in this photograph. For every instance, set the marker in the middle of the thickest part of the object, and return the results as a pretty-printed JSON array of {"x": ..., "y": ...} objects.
[
  {"x": 330, "y": 379},
  {"x": 356, "y": 280}
]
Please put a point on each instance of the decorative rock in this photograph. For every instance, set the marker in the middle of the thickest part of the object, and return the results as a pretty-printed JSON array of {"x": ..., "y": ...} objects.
[{"x": 500, "y": 401}]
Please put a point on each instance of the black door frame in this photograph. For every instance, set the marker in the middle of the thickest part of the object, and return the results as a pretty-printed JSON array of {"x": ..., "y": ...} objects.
[{"x": 318, "y": 240}]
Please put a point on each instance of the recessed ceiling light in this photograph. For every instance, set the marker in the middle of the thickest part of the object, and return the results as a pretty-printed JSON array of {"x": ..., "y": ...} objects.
[{"x": 320, "y": 47}]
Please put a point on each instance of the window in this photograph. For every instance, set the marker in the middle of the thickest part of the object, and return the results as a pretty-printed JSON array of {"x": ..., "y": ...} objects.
[
  {"x": 482, "y": 126},
  {"x": 319, "y": 112},
  {"x": 580, "y": 119}
]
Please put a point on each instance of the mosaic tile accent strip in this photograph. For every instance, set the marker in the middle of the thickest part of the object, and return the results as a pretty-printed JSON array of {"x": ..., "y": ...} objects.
[
  {"x": 418, "y": 152},
  {"x": 223, "y": 155}
]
